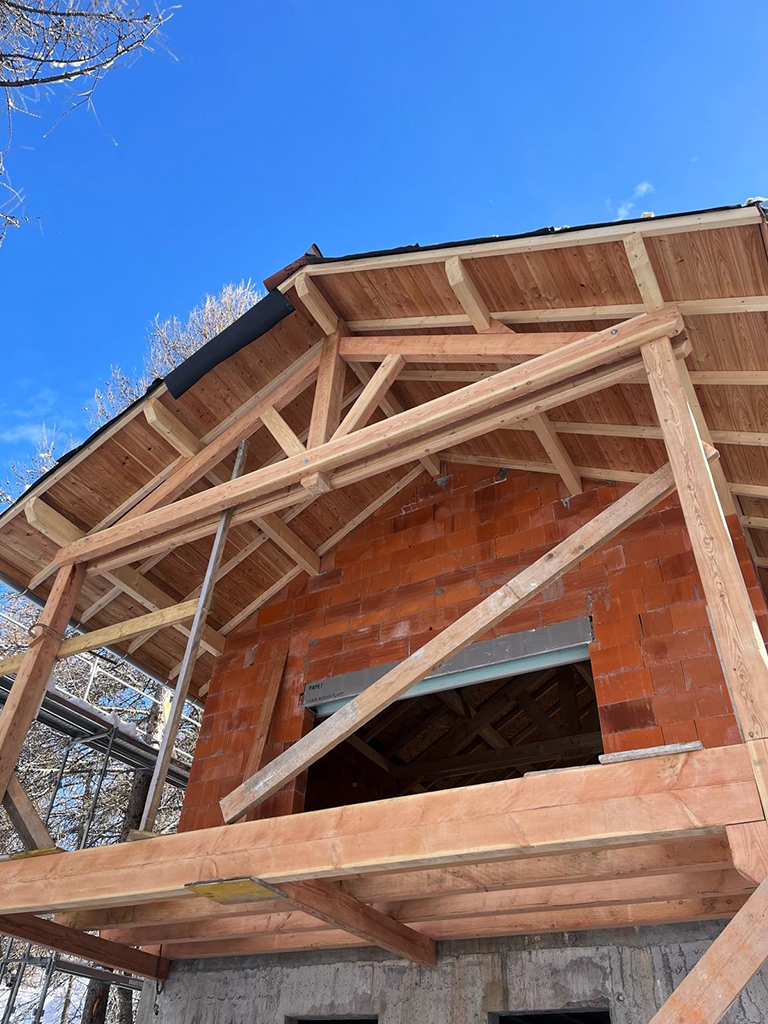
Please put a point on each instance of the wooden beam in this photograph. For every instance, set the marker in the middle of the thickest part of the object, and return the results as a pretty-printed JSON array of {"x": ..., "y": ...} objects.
[
  {"x": 740, "y": 646},
  {"x": 452, "y": 639},
  {"x": 270, "y": 675},
  {"x": 555, "y": 449},
  {"x": 371, "y": 396},
  {"x": 328, "y": 903},
  {"x": 673, "y": 797},
  {"x": 274, "y": 528},
  {"x": 390, "y": 406},
  {"x": 484, "y": 396},
  {"x": 715, "y": 378},
  {"x": 280, "y": 533},
  {"x": 285, "y": 436},
  {"x": 749, "y": 849},
  {"x": 561, "y": 314},
  {"x": 58, "y": 529},
  {"x": 629, "y": 476},
  {"x": 617, "y": 865},
  {"x": 746, "y": 437},
  {"x": 24, "y": 817},
  {"x": 562, "y": 748},
  {"x": 277, "y": 393},
  {"x": 111, "y": 634},
  {"x": 31, "y": 680},
  {"x": 326, "y": 408},
  {"x": 457, "y": 348},
  {"x": 616, "y": 232},
  {"x": 469, "y": 298},
  {"x": 88, "y": 947},
  {"x": 316, "y": 304},
  {"x": 627, "y": 916},
  {"x": 719, "y": 976}
]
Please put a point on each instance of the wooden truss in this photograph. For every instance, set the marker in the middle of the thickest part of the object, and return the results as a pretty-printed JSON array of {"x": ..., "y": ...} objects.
[{"x": 681, "y": 837}]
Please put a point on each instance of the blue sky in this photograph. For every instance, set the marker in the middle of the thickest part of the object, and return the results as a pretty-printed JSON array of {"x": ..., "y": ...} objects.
[{"x": 356, "y": 126}]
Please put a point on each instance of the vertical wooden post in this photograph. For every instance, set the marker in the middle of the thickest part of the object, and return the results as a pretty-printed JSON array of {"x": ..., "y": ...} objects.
[
  {"x": 31, "y": 681},
  {"x": 740, "y": 646},
  {"x": 170, "y": 732}
]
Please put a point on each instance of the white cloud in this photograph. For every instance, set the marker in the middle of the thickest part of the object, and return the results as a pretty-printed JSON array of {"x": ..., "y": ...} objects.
[
  {"x": 625, "y": 208},
  {"x": 31, "y": 432}
]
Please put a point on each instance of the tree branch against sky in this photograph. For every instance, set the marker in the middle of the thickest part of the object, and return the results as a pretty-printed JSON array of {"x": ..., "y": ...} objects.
[{"x": 62, "y": 47}]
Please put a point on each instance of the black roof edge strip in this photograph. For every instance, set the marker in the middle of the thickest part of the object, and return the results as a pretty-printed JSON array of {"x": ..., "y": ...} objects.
[
  {"x": 266, "y": 314},
  {"x": 538, "y": 233}
]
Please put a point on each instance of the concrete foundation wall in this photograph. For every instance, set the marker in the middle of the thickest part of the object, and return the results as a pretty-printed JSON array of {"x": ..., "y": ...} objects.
[{"x": 628, "y": 971}]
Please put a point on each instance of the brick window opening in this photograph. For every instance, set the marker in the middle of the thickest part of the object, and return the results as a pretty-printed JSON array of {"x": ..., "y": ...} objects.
[{"x": 499, "y": 729}]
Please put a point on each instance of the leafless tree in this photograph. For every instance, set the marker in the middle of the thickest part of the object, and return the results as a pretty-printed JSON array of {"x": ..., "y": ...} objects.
[
  {"x": 118, "y": 687},
  {"x": 63, "y": 46},
  {"x": 169, "y": 343}
]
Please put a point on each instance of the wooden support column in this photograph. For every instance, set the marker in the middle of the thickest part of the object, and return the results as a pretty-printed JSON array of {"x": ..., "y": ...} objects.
[
  {"x": 31, "y": 681},
  {"x": 711, "y": 987},
  {"x": 454, "y": 638},
  {"x": 740, "y": 646},
  {"x": 188, "y": 662},
  {"x": 326, "y": 409},
  {"x": 555, "y": 449}
]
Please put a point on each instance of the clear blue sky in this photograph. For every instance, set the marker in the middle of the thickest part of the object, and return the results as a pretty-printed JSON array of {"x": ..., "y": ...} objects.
[{"x": 356, "y": 126}]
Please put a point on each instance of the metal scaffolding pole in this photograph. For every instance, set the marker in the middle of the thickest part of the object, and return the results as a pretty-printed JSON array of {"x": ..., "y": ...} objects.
[{"x": 190, "y": 656}]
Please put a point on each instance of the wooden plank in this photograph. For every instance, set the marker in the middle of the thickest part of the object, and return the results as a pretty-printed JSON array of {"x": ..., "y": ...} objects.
[
  {"x": 555, "y": 449},
  {"x": 749, "y": 849},
  {"x": 747, "y": 437},
  {"x": 663, "y": 798},
  {"x": 626, "y": 916},
  {"x": 590, "y": 472},
  {"x": 31, "y": 680},
  {"x": 329, "y": 389},
  {"x": 650, "y": 291},
  {"x": 89, "y": 947},
  {"x": 390, "y": 406},
  {"x": 562, "y": 748},
  {"x": 328, "y": 903},
  {"x": 551, "y": 369},
  {"x": 457, "y": 348},
  {"x": 371, "y": 396},
  {"x": 111, "y": 634},
  {"x": 270, "y": 674},
  {"x": 559, "y": 314},
  {"x": 281, "y": 431},
  {"x": 616, "y": 232},
  {"x": 469, "y": 298},
  {"x": 57, "y": 528},
  {"x": 453, "y": 638},
  {"x": 614, "y": 864},
  {"x": 24, "y": 817},
  {"x": 316, "y": 304},
  {"x": 289, "y": 541},
  {"x": 741, "y": 649},
  {"x": 386, "y": 458},
  {"x": 728, "y": 378},
  {"x": 276, "y": 394},
  {"x": 717, "y": 979}
]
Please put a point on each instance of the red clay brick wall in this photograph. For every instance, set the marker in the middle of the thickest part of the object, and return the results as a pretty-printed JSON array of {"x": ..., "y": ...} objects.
[{"x": 428, "y": 557}]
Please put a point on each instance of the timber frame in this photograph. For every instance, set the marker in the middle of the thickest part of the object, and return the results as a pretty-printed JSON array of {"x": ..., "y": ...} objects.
[{"x": 668, "y": 838}]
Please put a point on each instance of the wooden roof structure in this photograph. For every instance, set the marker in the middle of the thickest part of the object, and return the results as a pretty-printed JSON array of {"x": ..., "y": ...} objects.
[
  {"x": 635, "y": 351},
  {"x": 712, "y": 265}
]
